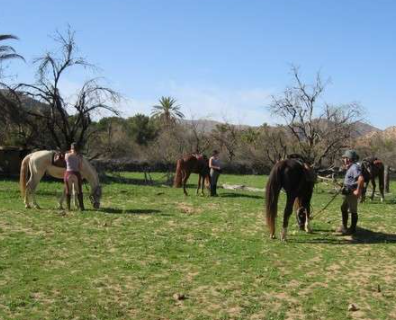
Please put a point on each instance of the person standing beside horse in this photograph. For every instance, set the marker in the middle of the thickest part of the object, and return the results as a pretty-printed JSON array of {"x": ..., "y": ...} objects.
[
  {"x": 215, "y": 171},
  {"x": 352, "y": 190},
  {"x": 73, "y": 174}
]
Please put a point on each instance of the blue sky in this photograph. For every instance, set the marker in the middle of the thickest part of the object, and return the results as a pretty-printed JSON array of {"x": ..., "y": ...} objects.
[{"x": 220, "y": 59}]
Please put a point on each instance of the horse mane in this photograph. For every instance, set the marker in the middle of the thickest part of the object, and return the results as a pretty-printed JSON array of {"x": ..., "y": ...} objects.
[{"x": 92, "y": 171}]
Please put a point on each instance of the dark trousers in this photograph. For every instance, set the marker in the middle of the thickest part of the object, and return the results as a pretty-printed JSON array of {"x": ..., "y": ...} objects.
[
  {"x": 350, "y": 204},
  {"x": 214, "y": 176}
]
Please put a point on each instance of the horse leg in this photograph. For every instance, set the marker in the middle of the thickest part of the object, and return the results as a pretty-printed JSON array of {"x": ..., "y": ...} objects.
[
  {"x": 186, "y": 175},
  {"x": 307, "y": 227},
  {"x": 31, "y": 189},
  {"x": 373, "y": 191},
  {"x": 381, "y": 187},
  {"x": 203, "y": 185},
  {"x": 26, "y": 197},
  {"x": 363, "y": 196},
  {"x": 286, "y": 215},
  {"x": 199, "y": 184}
]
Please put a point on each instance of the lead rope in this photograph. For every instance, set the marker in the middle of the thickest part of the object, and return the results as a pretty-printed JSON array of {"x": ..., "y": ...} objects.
[{"x": 325, "y": 207}]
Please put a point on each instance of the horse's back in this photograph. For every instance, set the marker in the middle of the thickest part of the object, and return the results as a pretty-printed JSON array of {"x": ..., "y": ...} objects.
[
  {"x": 292, "y": 173},
  {"x": 40, "y": 160}
]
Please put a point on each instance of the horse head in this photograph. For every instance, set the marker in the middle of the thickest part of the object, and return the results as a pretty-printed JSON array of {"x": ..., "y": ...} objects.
[
  {"x": 95, "y": 196},
  {"x": 302, "y": 214},
  {"x": 367, "y": 169}
]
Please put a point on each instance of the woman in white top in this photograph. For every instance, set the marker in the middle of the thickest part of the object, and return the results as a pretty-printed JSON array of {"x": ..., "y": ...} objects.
[{"x": 73, "y": 168}]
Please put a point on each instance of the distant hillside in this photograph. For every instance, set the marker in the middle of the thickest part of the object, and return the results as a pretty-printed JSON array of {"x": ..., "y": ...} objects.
[
  {"x": 388, "y": 133},
  {"x": 363, "y": 129},
  {"x": 27, "y": 102},
  {"x": 206, "y": 125}
]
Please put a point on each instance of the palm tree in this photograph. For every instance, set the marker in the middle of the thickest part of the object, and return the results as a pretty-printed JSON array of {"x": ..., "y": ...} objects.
[
  {"x": 167, "y": 110},
  {"x": 8, "y": 52}
]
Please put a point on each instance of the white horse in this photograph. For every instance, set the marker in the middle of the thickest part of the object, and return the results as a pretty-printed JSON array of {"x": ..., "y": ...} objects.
[{"x": 40, "y": 162}]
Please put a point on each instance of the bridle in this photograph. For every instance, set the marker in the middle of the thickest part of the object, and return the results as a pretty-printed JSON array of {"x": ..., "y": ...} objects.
[{"x": 95, "y": 196}]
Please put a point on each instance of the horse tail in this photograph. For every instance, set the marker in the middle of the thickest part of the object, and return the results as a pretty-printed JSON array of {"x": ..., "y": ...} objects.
[
  {"x": 272, "y": 191},
  {"x": 177, "y": 182},
  {"x": 23, "y": 174}
]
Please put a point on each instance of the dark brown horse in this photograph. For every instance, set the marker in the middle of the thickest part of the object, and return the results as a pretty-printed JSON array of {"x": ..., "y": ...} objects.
[
  {"x": 193, "y": 163},
  {"x": 372, "y": 168},
  {"x": 297, "y": 179}
]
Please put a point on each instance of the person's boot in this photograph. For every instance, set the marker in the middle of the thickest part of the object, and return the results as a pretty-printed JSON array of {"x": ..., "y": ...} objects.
[
  {"x": 354, "y": 221},
  {"x": 211, "y": 190},
  {"x": 344, "y": 227},
  {"x": 81, "y": 201},
  {"x": 68, "y": 200},
  {"x": 215, "y": 191}
]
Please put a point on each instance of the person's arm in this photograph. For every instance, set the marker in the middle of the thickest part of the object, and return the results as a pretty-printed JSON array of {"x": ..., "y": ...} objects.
[
  {"x": 212, "y": 166},
  {"x": 360, "y": 185}
]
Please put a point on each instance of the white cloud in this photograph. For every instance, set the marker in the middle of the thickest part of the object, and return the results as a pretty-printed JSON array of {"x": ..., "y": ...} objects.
[{"x": 244, "y": 106}]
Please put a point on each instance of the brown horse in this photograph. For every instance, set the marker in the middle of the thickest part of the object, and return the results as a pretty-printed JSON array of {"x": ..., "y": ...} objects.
[
  {"x": 297, "y": 179},
  {"x": 371, "y": 169},
  {"x": 193, "y": 163}
]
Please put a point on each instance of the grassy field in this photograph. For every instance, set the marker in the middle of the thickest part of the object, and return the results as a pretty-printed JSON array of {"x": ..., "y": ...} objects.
[{"x": 152, "y": 253}]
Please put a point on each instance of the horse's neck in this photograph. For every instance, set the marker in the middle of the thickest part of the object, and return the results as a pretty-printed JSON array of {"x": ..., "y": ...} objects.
[{"x": 91, "y": 175}]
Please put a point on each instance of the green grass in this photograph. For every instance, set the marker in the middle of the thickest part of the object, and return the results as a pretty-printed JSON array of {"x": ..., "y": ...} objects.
[{"x": 152, "y": 253}]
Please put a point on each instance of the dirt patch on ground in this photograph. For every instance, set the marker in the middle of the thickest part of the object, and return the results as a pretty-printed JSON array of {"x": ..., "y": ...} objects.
[{"x": 188, "y": 208}]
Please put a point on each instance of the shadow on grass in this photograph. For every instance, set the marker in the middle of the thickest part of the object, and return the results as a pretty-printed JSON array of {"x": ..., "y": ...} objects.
[
  {"x": 375, "y": 202},
  {"x": 116, "y": 178},
  {"x": 362, "y": 236},
  {"x": 239, "y": 195},
  {"x": 108, "y": 179},
  {"x": 129, "y": 211}
]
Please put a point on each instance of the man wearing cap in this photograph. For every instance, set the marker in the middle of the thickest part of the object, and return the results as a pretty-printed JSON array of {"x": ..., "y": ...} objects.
[{"x": 352, "y": 189}]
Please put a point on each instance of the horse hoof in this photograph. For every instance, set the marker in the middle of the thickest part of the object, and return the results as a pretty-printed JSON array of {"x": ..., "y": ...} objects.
[
  {"x": 27, "y": 206},
  {"x": 36, "y": 206},
  {"x": 272, "y": 236}
]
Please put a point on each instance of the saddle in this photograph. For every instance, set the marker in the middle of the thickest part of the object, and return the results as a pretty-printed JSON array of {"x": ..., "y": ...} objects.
[{"x": 58, "y": 159}]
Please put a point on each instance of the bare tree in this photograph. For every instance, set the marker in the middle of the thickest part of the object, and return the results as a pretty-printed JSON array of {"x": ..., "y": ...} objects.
[
  {"x": 276, "y": 143},
  {"x": 66, "y": 122},
  {"x": 227, "y": 137},
  {"x": 196, "y": 135},
  {"x": 319, "y": 129}
]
